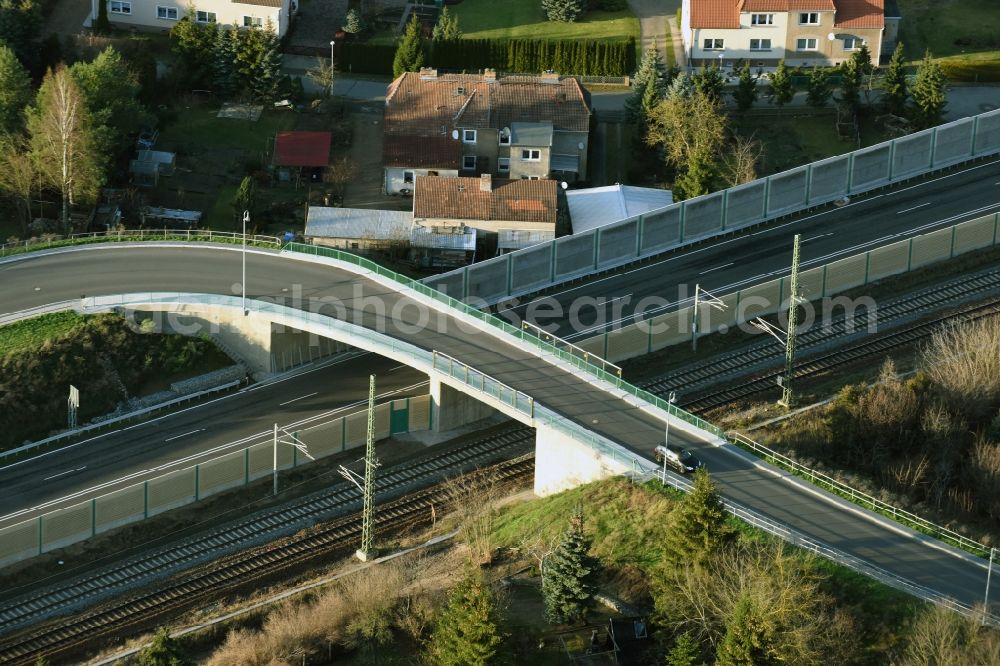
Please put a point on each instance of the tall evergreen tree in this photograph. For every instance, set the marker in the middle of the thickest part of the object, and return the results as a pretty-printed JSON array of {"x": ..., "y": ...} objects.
[
  {"x": 863, "y": 56},
  {"x": 195, "y": 43},
  {"x": 410, "y": 52},
  {"x": 682, "y": 87},
  {"x": 15, "y": 91},
  {"x": 446, "y": 28},
  {"x": 467, "y": 633},
  {"x": 698, "y": 526},
  {"x": 894, "y": 92},
  {"x": 781, "y": 91},
  {"x": 746, "y": 92},
  {"x": 264, "y": 76},
  {"x": 928, "y": 93},
  {"x": 850, "y": 84},
  {"x": 21, "y": 30},
  {"x": 565, "y": 11},
  {"x": 224, "y": 76},
  {"x": 819, "y": 92},
  {"x": 710, "y": 82},
  {"x": 569, "y": 577},
  {"x": 685, "y": 652},
  {"x": 745, "y": 642},
  {"x": 651, "y": 75}
]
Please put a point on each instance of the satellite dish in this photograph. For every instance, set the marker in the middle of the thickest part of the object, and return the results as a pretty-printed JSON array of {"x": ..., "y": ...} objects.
[
  {"x": 580, "y": 145},
  {"x": 454, "y": 134},
  {"x": 831, "y": 36},
  {"x": 564, "y": 185}
]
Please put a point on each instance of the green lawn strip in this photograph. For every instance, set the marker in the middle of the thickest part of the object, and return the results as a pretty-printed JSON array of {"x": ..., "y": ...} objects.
[
  {"x": 199, "y": 127},
  {"x": 523, "y": 19},
  {"x": 950, "y": 27},
  {"x": 32, "y": 333}
]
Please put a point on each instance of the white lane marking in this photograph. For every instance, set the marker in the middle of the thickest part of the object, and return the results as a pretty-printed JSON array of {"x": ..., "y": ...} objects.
[
  {"x": 806, "y": 240},
  {"x": 69, "y": 471},
  {"x": 282, "y": 404},
  {"x": 398, "y": 367},
  {"x": 717, "y": 268},
  {"x": 170, "y": 439},
  {"x": 900, "y": 212}
]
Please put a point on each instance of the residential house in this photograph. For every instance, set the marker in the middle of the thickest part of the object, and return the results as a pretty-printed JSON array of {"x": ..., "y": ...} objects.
[
  {"x": 512, "y": 127},
  {"x": 594, "y": 207},
  {"x": 802, "y": 32},
  {"x": 164, "y": 14},
  {"x": 497, "y": 206}
]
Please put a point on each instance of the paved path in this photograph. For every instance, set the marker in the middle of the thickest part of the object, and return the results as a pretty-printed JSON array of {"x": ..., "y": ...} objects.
[{"x": 653, "y": 22}]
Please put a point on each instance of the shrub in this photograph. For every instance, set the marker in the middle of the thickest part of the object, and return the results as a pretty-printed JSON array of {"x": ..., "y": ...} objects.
[{"x": 976, "y": 71}]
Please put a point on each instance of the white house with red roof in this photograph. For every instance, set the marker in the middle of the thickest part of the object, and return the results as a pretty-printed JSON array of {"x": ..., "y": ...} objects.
[{"x": 802, "y": 32}]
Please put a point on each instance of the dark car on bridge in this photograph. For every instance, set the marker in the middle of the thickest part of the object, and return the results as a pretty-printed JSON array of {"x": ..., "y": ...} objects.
[{"x": 678, "y": 457}]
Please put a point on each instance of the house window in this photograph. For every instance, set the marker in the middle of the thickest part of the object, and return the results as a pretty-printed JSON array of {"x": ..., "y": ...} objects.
[
  {"x": 169, "y": 13},
  {"x": 531, "y": 155},
  {"x": 469, "y": 162},
  {"x": 806, "y": 44},
  {"x": 714, "y": 44},
  {"x": 354, "y": 246},
  {"x": 468, "y": 136},
  {"x": 252, "y": 21},
  {"x": 116, "y": 7},
  {"x": 503, "y": 164},
  {"x": 760, "y": 44},
  {"x": 407, "y": 176},
  {"x": 853, "y": 43},
  {"x": 762, "y": 19},
  {"x": 204, "y": 17},
  {"x": 809, "y": 18}
]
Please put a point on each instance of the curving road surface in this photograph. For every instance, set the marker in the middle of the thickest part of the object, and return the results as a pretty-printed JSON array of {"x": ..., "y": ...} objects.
[{"x": 40, "y": 279}]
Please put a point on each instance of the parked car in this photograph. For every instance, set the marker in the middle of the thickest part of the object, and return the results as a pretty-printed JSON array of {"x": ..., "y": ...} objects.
[{"x": 677, "y": 457}]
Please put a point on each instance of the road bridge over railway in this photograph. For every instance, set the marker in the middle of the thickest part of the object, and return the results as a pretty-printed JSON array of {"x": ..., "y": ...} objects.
[{"x": 590, "y": 423}]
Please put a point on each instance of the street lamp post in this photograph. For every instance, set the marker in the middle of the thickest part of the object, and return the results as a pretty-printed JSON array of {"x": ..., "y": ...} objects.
[
  {"x": 671, "y": 399},
  {"x": 986, "y": 599},
  {"x": 243, "y": 281},
  {"x": 332, "y": 42}
]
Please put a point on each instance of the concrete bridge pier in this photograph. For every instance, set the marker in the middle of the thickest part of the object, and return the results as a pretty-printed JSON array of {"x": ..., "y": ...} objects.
[
  {"x": 452, "y": 409},
  {"x": 562, "y": 462}
]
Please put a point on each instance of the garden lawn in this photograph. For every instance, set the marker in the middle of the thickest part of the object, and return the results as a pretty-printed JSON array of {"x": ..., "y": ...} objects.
[
  {"x": 950, "y": 27},
  {"x": 523, "y": 19},
  {"x": 199, "y": 126}
]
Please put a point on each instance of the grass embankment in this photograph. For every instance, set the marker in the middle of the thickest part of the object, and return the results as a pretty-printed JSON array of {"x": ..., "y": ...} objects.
[
  {"x": 523, "y": 19},
  {"x": 100, "y": 355},
  {"x": 963, "y": 34}
]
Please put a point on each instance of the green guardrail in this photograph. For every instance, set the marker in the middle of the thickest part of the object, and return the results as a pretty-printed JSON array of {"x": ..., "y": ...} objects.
[{"x": 509, "y": 329}]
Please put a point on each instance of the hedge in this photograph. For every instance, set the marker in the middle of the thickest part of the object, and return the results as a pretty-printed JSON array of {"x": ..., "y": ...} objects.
[
  {"x": 976, "y": 71},
  {"x": 528, "y": 56}
]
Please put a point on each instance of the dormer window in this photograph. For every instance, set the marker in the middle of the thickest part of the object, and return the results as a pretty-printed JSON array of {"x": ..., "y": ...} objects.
[{"x": 460, "y": 90}]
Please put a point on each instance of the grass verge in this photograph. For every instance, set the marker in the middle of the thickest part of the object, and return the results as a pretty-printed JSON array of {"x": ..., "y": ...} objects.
[{"x": 523, "y": 19}]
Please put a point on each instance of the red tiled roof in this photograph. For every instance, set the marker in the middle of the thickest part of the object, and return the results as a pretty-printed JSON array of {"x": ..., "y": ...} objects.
[
  {"x": 464, "y": 199},
  {"x": 860, "y": 14},
  {"x": 302, "y": 149},
  {"x": 421, "y": 152},
  {"x": 715, "y": 13},
  {"x": 726, "y": 13}
]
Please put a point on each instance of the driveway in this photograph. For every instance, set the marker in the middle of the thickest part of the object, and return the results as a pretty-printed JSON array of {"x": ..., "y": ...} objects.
[{"x": 654, "y": 16}]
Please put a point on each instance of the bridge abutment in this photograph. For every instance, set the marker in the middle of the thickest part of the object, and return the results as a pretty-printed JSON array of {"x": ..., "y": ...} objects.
[
  {"x": 562, "y": 462},
  {"x": 452, "y": 409}
]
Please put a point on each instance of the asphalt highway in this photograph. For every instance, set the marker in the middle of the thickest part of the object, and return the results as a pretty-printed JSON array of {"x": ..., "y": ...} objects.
[
  {"x": 47, "y": 278},
  {"x": 725, "y": 266}
]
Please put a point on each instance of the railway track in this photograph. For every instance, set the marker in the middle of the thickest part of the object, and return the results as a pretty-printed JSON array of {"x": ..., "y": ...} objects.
[
  {"x": 124, "y": 578},
  {"x": 700, "y": 402},
  {"x": 697, "y": 376}
]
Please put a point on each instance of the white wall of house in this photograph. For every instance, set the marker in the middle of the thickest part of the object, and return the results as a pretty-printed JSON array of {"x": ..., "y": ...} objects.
[
  {"x": 748, "y": 42},
  {"x": 400, "y": 178},
  {"x": 164, "y": 14}
]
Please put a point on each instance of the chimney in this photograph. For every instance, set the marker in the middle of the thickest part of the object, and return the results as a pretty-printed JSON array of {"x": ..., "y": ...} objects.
[
  {"x": 490, "y": 75},
  {"x": 550, "y": 77},
  {"x": 486, "y": 183},
  {"x": 428, "y": 73}
]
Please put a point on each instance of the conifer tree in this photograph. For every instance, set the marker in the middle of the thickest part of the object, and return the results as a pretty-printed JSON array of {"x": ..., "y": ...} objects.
[
  {"x": 647, "y": 84},
  {"x": 15, "y": 91},
  {"x": 265, "y": 80},
  {"x": 819, "y": 91},
  {"x": 710, "y": 82},
  {"x": 699, "y": 524},
  {"x": 410, "y": 52},
  {"x": 928, "y": 93},
  {"x": 894, "y": 92},
  {"x": 569, "y": 577},
  {"x": 745, "y": 641},
  {"x": 684, "y": 652},
  {"x": 746, "y": 92},
  {"x": 446, "y": 28},
  {"x": 224, "y": 77},
  {"x": 682, "y": 87},
  {"x": 850, "y": 84},
  {"x": 466, "y": 633},
  {"x": 863, "y": 56},
  {"x": 780, "y": 91},
  {"x": 565, "y": 11},
  {"x": 163, "y": 651}
]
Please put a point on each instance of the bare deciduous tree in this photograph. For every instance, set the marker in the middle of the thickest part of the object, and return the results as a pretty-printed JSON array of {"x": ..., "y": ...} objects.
[
  {"x": 323, "y": 75},
  {"x": 964, "y": 361},
  {"x": 62, "y": 140},
  {"x": 744, "y": 154},
  {"x": 941, "y": 637},
  {"x": 474, "y": 498}
]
